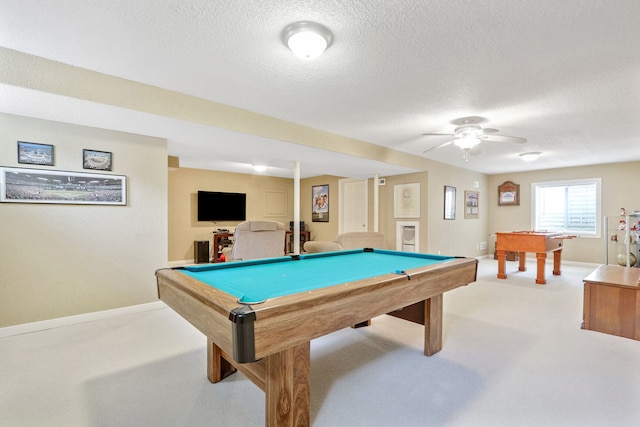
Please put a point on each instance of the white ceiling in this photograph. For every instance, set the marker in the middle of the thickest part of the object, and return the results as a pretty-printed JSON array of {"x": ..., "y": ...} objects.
[{"x": 563, "y": 74}]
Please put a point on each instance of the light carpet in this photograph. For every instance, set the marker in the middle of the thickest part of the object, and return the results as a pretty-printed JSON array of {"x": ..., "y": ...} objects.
[{"x": 513, "y": 355}]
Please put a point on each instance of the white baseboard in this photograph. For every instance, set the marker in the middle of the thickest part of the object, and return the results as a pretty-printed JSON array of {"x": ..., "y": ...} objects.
[{"x": 60, "y": 322}]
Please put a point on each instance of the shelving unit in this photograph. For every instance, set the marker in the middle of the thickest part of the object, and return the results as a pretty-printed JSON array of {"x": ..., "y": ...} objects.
[
  {"x": 221, "y": 241},
  {"x": 622, "y": 240}
]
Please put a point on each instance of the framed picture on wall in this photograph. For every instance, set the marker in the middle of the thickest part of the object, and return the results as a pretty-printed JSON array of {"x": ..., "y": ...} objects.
[
  {"x": 471, "y": 204},
  {"x": 509, "y": 194},
  {"x": 98, "y": 160},
  {"x": 449, "y": 202},
  {"x": 21, "y": 185},
  {"x": 31, "y": 153},
  {"x": 320, "y": 203},
  {"x": 406, "y": 200}
]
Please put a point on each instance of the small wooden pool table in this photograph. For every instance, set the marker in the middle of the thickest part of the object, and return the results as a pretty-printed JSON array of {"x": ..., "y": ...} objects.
[{"x": 260, "y": 315}]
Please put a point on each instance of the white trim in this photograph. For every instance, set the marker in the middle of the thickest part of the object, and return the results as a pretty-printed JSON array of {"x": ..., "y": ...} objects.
[
  {"x": 569, "y": 182},
  {"x": 399, "y": 229},
  {"x": 27, "y": 328}
]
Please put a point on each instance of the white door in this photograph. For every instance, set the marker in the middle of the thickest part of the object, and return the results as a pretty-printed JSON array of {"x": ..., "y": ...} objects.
[{"x": 353, "y": 212}]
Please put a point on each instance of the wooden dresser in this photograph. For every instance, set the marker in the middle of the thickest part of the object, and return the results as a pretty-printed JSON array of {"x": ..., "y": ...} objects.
[{"x": 612, "y": 301}]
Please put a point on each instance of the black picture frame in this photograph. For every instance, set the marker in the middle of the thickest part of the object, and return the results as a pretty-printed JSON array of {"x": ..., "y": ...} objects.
[
  {"x": 449, "y": 202},
  {"x": 97, "y": 160},
  {"x": 33, "y": 153}
]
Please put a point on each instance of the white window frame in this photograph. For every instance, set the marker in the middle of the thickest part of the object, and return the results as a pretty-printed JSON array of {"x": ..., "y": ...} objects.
[{"x": 598, "y": 222}]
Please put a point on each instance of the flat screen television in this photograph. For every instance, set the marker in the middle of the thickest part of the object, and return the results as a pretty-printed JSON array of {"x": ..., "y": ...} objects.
[{"x": 219, "y": 206}]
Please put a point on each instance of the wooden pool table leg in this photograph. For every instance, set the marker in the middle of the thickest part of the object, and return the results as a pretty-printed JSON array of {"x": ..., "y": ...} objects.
[
  {"x": 218, "y": 367},
  {"x": 283, "y": 376},
  {"x": 287, "y": 390},
  {"x": 433, "y": 325}
]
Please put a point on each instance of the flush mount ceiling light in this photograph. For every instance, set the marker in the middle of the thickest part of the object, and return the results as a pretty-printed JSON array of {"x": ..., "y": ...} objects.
[
  {"x": 530, "y": 156},
  {"x": 307, "y": 39}
]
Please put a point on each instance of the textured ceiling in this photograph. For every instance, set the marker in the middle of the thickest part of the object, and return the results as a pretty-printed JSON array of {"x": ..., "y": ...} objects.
[{"x": 563, "y": 74}]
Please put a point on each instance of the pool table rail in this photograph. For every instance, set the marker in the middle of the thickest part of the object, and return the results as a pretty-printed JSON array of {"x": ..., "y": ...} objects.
[
  {"x": 290, "y": 320},
  {"x": 204, "y": 307}
]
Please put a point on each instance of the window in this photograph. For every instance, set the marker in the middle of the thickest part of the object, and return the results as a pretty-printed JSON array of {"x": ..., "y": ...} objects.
[{"x": 571, "y": 207}]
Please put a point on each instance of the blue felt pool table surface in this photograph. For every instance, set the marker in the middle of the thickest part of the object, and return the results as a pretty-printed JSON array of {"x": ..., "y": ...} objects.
[{"x": 258, "y": 280}]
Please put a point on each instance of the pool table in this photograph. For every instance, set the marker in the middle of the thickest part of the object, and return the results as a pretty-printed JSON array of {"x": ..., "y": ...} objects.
[
  {"x": 538, "y": 242},
  {"x": 260, "y": 315}
]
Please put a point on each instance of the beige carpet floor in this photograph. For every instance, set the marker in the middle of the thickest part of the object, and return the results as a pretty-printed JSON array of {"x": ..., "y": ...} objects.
[{"x": 513, "y": 355}]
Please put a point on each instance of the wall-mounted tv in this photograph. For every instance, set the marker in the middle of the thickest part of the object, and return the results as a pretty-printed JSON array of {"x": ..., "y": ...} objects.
[{"x": 218, "y": 206}]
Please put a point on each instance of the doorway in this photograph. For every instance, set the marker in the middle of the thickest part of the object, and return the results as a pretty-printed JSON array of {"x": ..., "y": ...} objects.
[{"x": 354, "y": 206}]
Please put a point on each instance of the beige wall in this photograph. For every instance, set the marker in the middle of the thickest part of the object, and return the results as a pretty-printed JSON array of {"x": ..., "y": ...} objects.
[
  {"x": 320, "y": 230},
  {"x": 387, "y": 222},
  {"x": 617, "y": 191},
  {"x": 60, "y": 260},
  {"x": 458, "y": 237},
  {"x": 263, "y": 194}
]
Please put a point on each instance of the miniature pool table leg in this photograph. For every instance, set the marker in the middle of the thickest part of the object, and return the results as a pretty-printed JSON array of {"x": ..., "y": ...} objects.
[
  {"x": 502, "y": 255},
  {"x": 541, "y": 259},
  {"x": 557, "y": 255},
  {"x": 522, "y": 261}
]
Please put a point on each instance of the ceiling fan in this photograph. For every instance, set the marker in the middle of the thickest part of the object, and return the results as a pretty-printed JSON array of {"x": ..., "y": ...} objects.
[{"x": 468, "y": 134}]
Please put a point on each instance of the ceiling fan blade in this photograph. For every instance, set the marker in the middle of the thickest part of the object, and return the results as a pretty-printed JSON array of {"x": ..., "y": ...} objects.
[
  {"x": 437, "y": 134},
  {"x": 503, "y": 138},
  {"x": 438, "y": 146},
  {"x": 489, "y": 130}
]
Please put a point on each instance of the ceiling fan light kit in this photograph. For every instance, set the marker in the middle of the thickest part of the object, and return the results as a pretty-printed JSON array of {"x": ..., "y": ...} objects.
[
  {"x": 468, "y": 134},
  {"x": 467, "y": 142},
  {"x": 307, "y": 39}
]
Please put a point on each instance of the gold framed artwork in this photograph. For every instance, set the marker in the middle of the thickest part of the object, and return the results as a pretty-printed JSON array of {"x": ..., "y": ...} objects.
[{"x": 509, "y": 194}]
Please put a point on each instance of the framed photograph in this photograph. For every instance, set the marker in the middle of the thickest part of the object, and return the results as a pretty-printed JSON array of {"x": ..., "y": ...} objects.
[
  {"x": 31, "y": 153},
  {"x": 406, "y": 200},
  {"x": 98, "y": 160},
  {"x": 20, "y": 185},
  {"x": 320, "y": 203},
  {"x": 471, "y": 204},
  {"x": 449, "y": 202},
  {"x": 509, "y": 194}
]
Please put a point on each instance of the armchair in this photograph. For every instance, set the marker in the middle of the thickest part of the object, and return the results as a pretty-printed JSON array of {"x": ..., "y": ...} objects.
[
  {"x": 353, "y": 240},
  {"x": 258, "y": 239}
]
